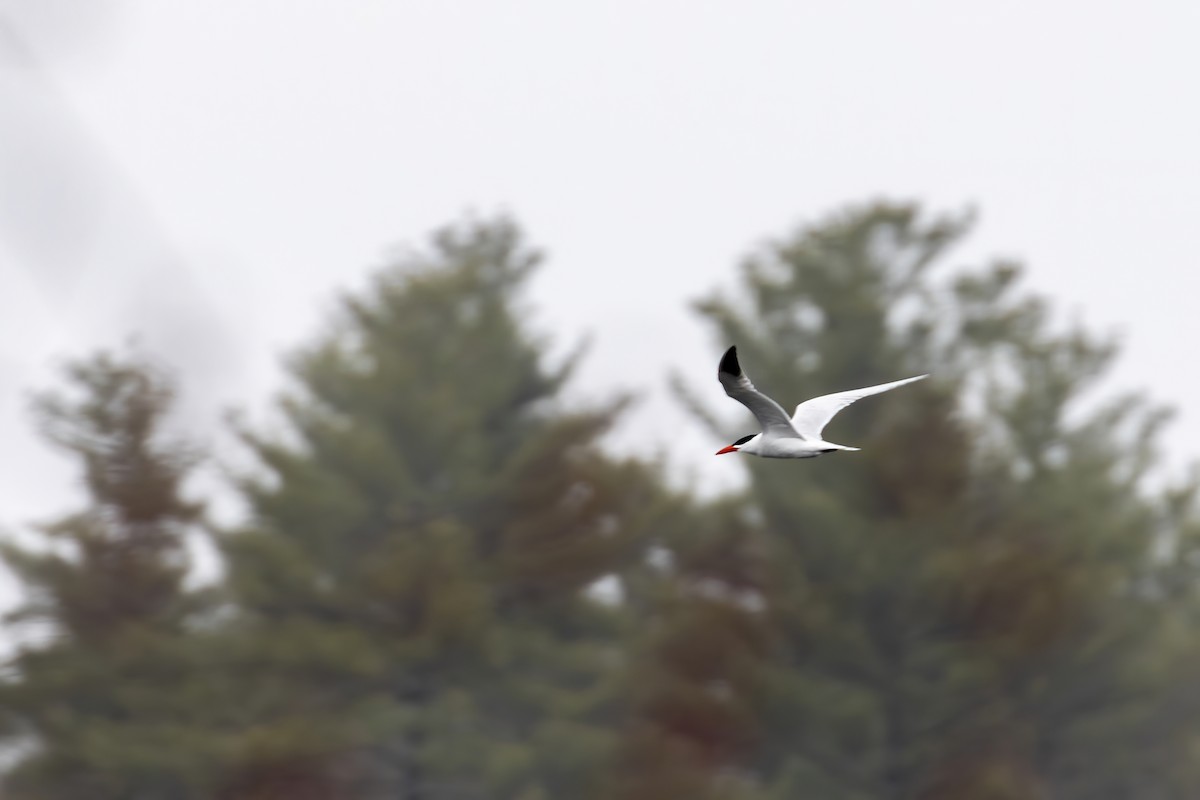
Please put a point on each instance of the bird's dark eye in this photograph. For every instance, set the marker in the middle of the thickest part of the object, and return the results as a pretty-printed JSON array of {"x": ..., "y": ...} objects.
[{"x": 744, "y": 439}]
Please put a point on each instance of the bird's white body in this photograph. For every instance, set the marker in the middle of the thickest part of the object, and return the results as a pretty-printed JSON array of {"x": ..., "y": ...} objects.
[
  {"x": 788, "y": 447},
  {"x": 798, "y": 436}
]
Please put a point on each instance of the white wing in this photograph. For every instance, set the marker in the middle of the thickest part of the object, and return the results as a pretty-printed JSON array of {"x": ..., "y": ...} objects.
[
  {"x": 812, "y": 416},
  {"x": 770, "y": 415}
]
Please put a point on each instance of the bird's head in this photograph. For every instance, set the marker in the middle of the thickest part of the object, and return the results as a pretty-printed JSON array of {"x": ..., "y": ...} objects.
[{"x": 733, "y": 448}]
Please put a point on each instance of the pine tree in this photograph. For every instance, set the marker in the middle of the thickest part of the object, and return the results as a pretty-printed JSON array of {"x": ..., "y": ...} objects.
[
  {"x": 414, "y": 583},
  {"x": 698, "y": 637},
  {"x": 94, "y": 699},
  {"x": 962, "y": 610}
]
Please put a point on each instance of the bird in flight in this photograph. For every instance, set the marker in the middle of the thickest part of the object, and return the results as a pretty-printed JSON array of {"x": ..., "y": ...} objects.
[{"x": 784, "y": 437}]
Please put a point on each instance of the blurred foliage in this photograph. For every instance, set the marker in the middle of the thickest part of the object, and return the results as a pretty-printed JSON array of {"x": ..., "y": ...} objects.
[
  {"x": 978, "y": 607},
  {"x": 100, "y": 695},
  {"x": 416, "y": 574},
  {"x": 990, "y": 602}
]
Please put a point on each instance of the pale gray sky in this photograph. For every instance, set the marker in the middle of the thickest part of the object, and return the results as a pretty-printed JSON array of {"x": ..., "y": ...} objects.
[{"x": 207, "y": 174}]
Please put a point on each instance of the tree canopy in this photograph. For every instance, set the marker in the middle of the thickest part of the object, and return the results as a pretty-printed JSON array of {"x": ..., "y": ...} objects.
[
  {"x": 96, "y": 690},
  {"x": 445, "y": 587},
  {"x": 969, "y": 608}
]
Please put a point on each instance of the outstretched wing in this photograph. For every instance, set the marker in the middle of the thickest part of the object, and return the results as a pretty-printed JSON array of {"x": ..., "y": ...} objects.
[
  {"x": 812, "y": 416},
  {"x": 770, "y": 415}
]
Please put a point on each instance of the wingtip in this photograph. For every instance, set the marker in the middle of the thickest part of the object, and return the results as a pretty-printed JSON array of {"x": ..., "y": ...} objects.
[
  {"x": 729, "y": 362},
  {"x": 913, "y": 379}
]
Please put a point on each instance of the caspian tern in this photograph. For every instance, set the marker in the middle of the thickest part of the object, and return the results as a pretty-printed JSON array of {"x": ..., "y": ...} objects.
[{"x": 799, "y": 436}]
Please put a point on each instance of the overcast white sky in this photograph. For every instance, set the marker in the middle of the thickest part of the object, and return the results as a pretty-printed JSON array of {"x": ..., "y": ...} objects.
[{"x": 207, "y": 174}]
